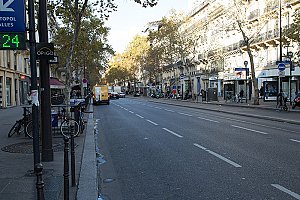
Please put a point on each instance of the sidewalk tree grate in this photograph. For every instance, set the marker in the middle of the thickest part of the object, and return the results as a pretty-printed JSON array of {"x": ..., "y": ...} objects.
[{"x": 27, "y": 148}]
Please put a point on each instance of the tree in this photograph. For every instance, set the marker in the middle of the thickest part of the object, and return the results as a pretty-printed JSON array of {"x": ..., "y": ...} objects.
[
  {"x": 249, "y": 29},
  {"x": 293, "y": 34},
  {"x": 71, "y": 13}
]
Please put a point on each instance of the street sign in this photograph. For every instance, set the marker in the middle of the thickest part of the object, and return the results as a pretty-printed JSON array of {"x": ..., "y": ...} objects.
[
  {"x": 12, "y": 41},
  {"x": 54, "y": 60},
  {"x": 12, "y": 16},
  {"x": 181, "y": 76},
  {"x": 45, "y": 51},
  {"x": 281, "y": 73},
  {"x": 84, "y": 82},
  {"x": 281, "y": 66}
]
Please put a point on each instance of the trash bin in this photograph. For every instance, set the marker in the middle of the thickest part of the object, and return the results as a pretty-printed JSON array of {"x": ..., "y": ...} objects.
[{"x": 54, "y": 119}]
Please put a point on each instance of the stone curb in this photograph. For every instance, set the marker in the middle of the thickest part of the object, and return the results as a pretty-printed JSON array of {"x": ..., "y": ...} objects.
[
  {"x": 235, "y": 113},
  {"x": 88, "y": 183}
]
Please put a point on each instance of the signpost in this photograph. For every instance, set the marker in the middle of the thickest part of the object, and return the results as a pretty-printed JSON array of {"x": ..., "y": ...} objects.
[
  {"x": 12, "y": 25},
  {"x": 281, "y": 66}
]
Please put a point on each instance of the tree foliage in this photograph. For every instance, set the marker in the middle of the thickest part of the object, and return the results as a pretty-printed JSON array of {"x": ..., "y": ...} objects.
[
  {"x": 293, "y": 32},
  {"x": 173, "y": 41},
  {"x": 126, "y": 66},
  {"x": 66, "y": 16}
]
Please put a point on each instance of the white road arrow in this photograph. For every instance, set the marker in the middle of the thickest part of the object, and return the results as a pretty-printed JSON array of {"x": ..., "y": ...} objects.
[{"x": 4, "y": 7}]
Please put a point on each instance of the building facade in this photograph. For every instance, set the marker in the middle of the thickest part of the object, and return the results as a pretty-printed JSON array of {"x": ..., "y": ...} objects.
[
  {"x": 222, "y": 66},
  {"x": 14, "y": 78}
]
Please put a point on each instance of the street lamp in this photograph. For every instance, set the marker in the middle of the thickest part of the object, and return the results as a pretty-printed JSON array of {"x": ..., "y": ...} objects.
[{"x": 246, "y": 63}]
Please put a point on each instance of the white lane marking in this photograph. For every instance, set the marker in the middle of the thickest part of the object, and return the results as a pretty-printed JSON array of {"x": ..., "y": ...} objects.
[
  {"x": 185, "y": 114},
  {"x": 210, "y": 120},
  {"x": 180, "y": 136},
  {"x": 131, "y": 112},
  {"x": 295, "y": 140},
  {"x": 256, "y": 124},
  {"x": 248, "y": 129},
  {"x": 152, "y": 122},
  {"x": 139, "y": 116},
  {"x": 169, "y": 110},
  {"x": 121, "y": 107},
  {"x": 217, "y": 155},
  {"x": 289, "y": 192},
  {"x": 201, "y": 147},
  {"x": 125, "y": 109}
]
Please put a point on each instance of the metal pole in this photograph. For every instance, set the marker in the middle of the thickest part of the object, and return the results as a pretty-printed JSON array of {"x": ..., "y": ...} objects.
[
  {"x": 35, "y": 103},
  {"x": 47, "y": 149},
  {"x": 66, "y": 168},
  {"x": 280, "y": 44}
]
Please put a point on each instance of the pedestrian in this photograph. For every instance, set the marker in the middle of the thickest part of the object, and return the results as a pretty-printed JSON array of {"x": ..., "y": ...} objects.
[
  {"x": 280, "y": 99},
  {"x": 261, "y": 91},
  {"x": 241, "y": 96},
  {"x": 29, "y": 99}
]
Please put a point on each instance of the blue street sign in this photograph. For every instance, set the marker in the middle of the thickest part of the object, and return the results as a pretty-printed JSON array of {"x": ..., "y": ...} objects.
[
  {"x": 281, "y": 66},
  {"x": 181, "y": 76},
  {"x": 12, "y": 16}
]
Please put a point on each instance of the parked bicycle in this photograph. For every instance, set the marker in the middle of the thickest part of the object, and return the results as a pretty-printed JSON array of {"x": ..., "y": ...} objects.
[
  {"x": 68, "y": 126},
  {"x": 20, "y": 125}
]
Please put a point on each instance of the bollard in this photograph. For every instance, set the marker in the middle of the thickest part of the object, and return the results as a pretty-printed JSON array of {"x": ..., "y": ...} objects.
[
  {"x": 38, "y": 168},
  {"x": 73, "y": 158},
  {"x": 66, "y": 169},
  {"x": 25, "y": 116}
]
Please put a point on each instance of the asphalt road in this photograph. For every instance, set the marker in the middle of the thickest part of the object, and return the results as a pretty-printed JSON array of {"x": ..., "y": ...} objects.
[{"x": 157, "y": 151}]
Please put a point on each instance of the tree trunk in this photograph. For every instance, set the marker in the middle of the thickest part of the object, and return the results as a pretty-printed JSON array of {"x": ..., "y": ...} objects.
[
  {"x": 68, "y": 66},
  {"x": 254, "y": 80}
]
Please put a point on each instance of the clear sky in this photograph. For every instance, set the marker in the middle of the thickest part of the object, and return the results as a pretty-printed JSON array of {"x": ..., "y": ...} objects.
[{"x": 131, "y": 18}]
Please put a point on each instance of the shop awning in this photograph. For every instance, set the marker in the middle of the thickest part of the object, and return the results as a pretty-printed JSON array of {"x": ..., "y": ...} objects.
[{"x": 56, "y": 84}]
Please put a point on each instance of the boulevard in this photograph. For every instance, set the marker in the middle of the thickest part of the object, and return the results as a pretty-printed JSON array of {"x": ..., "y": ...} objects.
[{"x": 152, "y": 150}]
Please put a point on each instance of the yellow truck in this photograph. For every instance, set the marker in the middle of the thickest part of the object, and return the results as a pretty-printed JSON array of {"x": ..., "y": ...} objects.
[{"x": 100, "y": 94}]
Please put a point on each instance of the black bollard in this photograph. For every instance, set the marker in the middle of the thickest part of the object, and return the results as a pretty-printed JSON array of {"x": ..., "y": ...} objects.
[
  {"x": 73, "y": 158},
  {"x": 66, "y": 169},
  {"x": 39, "y": 181}
]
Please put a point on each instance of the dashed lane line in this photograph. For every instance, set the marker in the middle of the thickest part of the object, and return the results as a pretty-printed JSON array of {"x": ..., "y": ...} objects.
[
  {"x": 217, "y": 155},
  {"x": 152, "y": 122},
  {"x": 177, "y": 135},
  {"x": 131, "y": 112},
  {"x": 185, "y": 114},
  {"x": 139, "y": 116},
  {"x": 248, "y": 129},
  {"x": 169, "y": 110},
  {"x": 295, "y": 140},
  {"x": 289, "y": 192},
  {"x": 210, "y": 120}
]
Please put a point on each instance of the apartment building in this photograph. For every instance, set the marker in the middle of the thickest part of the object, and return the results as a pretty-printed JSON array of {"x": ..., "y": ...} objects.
[
  {"x": 222, "y": 65},
  {"x": 14, "y": 78}
]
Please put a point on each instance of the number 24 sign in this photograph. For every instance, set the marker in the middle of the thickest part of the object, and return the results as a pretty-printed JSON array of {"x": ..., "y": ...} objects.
[{"x": 12, "y": 41}]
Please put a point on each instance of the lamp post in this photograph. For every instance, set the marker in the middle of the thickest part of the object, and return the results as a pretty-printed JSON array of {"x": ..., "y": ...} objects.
[
  {"x": 280, "y": 45},
  {"x": 246, "y": 63}
]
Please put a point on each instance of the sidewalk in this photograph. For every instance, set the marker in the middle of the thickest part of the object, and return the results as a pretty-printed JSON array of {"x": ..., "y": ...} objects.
[
  {"x": 266, "y": 109},
  {"x": 17, "y": 178}
]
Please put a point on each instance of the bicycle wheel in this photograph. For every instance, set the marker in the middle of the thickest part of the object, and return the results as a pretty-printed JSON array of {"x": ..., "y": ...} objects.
[
  {"x": 14, "y": 129},
  {"x": 68, "y": 127},
  {"x": 29, "y": 130}
]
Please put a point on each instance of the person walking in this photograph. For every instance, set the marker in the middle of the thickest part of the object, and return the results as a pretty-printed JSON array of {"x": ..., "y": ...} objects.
[{"x": 241, "y": 96}]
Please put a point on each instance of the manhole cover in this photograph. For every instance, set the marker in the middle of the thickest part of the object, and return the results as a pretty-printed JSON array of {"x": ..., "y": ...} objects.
[{"x": 27, "y": 148}]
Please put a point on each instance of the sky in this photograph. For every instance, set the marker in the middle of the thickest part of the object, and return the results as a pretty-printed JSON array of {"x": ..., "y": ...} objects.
[{"x": 131, "y": 19}]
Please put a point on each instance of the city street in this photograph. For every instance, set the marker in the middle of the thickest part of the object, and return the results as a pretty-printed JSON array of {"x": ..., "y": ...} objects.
[{"x": 149, "y": 150}]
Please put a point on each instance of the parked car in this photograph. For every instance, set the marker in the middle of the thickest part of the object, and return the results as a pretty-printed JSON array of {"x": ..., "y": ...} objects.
[
  {"x": 114, "y": 95},
  {"x": 122, "y": 94}
]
